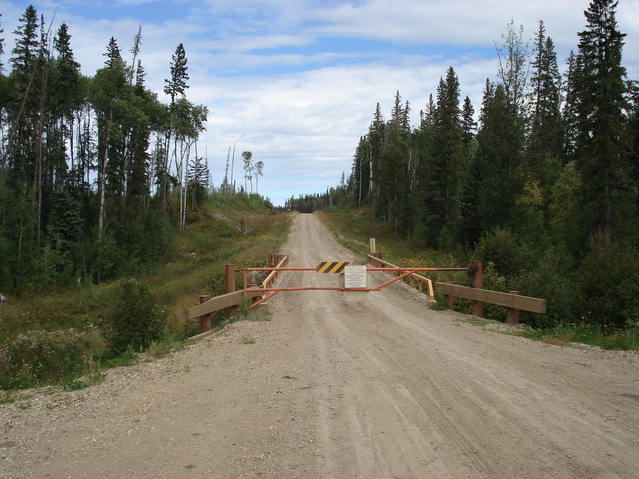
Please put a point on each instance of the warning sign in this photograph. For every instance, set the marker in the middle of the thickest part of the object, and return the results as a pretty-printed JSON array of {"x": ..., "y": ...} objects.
[
  {"x": 355, "y": 277},
  {"x": 331, "y": 266}
]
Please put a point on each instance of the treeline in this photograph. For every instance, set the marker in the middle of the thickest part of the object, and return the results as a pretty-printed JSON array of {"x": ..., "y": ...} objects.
[
  {"x": 95, "y": 172},
  {"x": 543, "y": 186},
  {"x": 333, "y": 197}
]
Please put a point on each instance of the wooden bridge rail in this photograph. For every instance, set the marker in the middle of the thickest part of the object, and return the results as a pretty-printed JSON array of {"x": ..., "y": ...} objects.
[
  {"x": 232, "y": 298},
  {"x": 512, "y": 300}
]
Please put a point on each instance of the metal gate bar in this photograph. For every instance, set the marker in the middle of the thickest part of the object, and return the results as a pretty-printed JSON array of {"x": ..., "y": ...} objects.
[{"x": 274, "y": 291}]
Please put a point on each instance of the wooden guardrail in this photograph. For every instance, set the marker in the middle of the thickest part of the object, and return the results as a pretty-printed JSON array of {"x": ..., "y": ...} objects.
[
  {"x": 220, "y": 302},
  {"x": 512, "y": 300},
  {"x": 232, "y": 298},
  {"x": 277, "y": 261}
]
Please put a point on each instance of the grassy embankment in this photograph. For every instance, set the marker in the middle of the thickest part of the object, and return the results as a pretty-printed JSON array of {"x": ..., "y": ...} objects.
[
  {"x": 353, "y": 228},
  {"x": 58, "y": 337}
]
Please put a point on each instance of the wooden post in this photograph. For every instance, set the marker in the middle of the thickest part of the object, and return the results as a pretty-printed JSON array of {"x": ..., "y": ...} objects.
[
  {"x": 373, "y": 246},
  {"x": 230, "y": 286},
  {"x": 205, "y": 319},
  {"x": 450, "y": 299},
  {"x": 478, "y": 282},
  {"x": 513, "y": 313}
]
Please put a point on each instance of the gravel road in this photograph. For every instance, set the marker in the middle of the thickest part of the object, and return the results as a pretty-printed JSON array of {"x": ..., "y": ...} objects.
[{"x": 340, "y": 385}]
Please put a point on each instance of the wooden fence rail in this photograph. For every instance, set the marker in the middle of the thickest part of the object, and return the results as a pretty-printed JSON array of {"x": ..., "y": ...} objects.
[
  {"x": 232, "y": 298},
  {"x": 220, "y": 302},
  {"x": 512, "y": 300},
  {"x": 277, "y": 261}
]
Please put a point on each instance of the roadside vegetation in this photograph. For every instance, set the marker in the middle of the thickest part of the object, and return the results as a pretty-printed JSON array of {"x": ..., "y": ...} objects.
[
  {"x": 353, "y": 227},
  {"x": 71, "y": 336},
  {"x": 536, "y": 182}
]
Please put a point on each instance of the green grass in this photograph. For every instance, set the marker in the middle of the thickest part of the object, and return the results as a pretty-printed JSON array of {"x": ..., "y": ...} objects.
[
  {"x": 235, "y": 230},
  {"x": 591, "y": 335}
]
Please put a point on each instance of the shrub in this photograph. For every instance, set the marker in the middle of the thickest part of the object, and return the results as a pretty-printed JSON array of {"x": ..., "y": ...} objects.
[
  {"x": 509, "y": 254},
  {"x": 553, "y": 279},
  {"x": 40, "y": 357},
  {"x": 136, "y": 320},
  {"x": 609, "y": 284}
]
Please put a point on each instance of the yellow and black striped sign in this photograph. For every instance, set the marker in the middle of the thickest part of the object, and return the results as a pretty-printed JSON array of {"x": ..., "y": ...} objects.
[{"x": 331, "y": 266}]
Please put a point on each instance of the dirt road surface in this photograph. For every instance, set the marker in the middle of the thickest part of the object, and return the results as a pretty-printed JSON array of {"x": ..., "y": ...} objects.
[{"x": 340, "y": 385}]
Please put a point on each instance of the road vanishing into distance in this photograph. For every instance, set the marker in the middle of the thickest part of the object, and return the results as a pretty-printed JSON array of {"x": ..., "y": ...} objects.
[{"x": 341, "y": 385}]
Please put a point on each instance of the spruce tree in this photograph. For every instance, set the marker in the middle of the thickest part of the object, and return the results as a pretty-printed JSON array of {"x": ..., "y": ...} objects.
[
  {"x": 24, "y": 104},
  {"x": 608, "y": 196},
  {"x": 176, "y": 85},
  {"x": 377, "y": 140},
  {"x": 546, "y": 138},
  {"x": 443, "y": 190},
  {"x": 569, "y": 113},
  {"x": 499, "y": 145}
]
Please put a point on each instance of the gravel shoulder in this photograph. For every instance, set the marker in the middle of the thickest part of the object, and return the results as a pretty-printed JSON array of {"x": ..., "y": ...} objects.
[{"x": 340, "y": 385}]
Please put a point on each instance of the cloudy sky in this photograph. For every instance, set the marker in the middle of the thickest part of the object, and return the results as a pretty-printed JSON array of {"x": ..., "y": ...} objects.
[{"x": 297, "y": 82}]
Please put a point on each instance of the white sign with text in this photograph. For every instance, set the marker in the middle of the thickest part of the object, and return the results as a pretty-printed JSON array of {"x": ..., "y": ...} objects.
[{"x": 355, "y": 277}]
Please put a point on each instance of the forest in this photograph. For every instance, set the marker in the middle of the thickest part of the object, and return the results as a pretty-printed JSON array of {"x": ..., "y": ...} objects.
[
  {"x": 96, "y": 174},
  {"x": 541, "y": 184}
]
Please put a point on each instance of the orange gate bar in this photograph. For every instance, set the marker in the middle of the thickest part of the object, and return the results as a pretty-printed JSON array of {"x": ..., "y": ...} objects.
[{"x": 274, "y": 291}]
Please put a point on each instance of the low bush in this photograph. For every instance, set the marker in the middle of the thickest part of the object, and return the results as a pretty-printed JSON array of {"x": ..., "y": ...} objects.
[
  {"x": 136, "y": 319},
  {"x": 553, "y": 279},
  {"x": 509, "y": 254},
  {"x": 609, "y": 284},
  {"x": 40, "y": 357}
]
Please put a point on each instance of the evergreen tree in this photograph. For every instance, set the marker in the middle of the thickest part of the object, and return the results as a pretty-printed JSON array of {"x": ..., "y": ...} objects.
[
  {"x": 569, "y": 114},
  {"x": 198, "y": 180},
  {"x": 377, "y": 140},
  {"x": 113, "y": 53},
  {"x": 499, "y": 147},
  {"x": 360, "y": 175},
  {"x": 469, "y": 230},
  {"x": 108, "y": 90},
  {"x": 393, "y": 188},
  {"x": 4, "y": 95},
  {"x": 469, "y": 125},
  {"x": 1, "y": 47},
  {"x": 446, "y": 166},
  {"x": 137, "y": 41},
  {"x": 176, "y": 85},
  {"x": 424, "y": 146},
  {"x": 259, "y": 172},
  {"x": 546, "y": 137},
  {"x": 25, "y": 95},
  {"x": 608, "y": 198}
]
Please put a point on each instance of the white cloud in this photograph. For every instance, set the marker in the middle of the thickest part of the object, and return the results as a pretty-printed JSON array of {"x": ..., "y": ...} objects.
[{"x": 297, "y": 83}]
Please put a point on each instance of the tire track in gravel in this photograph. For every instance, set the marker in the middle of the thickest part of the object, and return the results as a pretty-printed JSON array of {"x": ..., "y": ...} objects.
[{"x": 407, "y": 392}]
